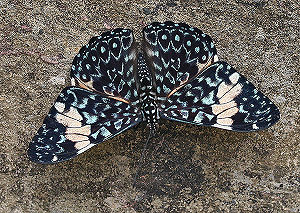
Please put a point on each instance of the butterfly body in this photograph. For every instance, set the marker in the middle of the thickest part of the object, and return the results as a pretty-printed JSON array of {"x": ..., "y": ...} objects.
[
  {"x": 148, "y": 95},
  {"x": 176, "y": 76}
]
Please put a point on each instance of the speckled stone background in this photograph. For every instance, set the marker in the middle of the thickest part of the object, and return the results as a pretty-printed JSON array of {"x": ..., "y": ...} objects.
[{"x": 187, "y": 168}]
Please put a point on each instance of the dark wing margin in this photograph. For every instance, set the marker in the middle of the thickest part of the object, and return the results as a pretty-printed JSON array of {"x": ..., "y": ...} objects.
[
  {"x": 176, "y": 53},
  {"x": 223, "y": 98},
  {"x": 78, "y": 120}
]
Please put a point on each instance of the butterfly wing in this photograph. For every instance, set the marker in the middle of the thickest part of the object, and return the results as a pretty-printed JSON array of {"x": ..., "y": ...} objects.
[
  {"x": 193, "y": 87},
  {"x": 104, "y": 103},
  {"x": 107, "y": 65},
  {"x": 223, "y": 98},
  {"x": 176, "y": 53},
  {"x": 79, "y": 120}
]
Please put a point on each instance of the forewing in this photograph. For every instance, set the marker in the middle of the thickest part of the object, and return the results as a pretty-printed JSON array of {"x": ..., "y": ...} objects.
[
  {"x": 176, "y": 53},
  {"x": 107, "y": 65},
  {"x": 79, "y": 120},
  {"x": 223, "y": 98}
]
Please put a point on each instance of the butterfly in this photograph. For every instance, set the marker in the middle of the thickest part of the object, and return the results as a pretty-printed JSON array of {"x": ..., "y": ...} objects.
[{"x": 175, "y": 76}]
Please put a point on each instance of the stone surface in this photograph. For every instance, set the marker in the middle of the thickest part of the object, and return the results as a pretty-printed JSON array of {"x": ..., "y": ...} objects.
[{"x": 187, "y": 168}]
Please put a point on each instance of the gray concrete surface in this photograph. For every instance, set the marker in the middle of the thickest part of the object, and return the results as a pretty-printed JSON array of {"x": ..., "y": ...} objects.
[{"x": 223, "y": 171}]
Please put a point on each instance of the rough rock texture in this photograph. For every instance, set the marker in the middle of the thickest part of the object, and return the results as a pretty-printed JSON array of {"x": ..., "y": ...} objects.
[{"x": 187, "y": 168}]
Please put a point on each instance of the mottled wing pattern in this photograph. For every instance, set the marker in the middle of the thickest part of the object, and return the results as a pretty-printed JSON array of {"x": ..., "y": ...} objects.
[
  {"x": 105, "y": 104},
  {"x": 223, "y": 98},
  {"x": 113, "y": 91},
  {"x": 177, "y": 53},
  {"x": 107, "y": 65},
  {"x": 79, "y": 120}
]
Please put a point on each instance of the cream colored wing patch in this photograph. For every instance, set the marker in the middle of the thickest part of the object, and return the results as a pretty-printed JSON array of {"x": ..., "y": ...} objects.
[
  {"x": 227, "y": 107},
  {"x": 75, "y": 130},
  {"x": 223, "y": 98}
]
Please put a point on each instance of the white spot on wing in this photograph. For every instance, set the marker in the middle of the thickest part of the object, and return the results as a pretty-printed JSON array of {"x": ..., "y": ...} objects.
[
  {"x": 67, "y": 121},
  {"x": 222, "y": 127},
  {"x": 73, "y": 82},
  {"x": 222, "y": 89},
  {"x": 85, "y": 148},
  {"x": 225, "y": 121},
  {"x": 60, "y": 107},
  {"x": 82, "y": 144},
  {"x": 234, "y": 78},
  {"x": 54, "y": 158},
  {"x": 73, "y": 113},
  {"x": 75, "y": 137},
  {"x": 218, "y": 108},
  {"x": 228, "y": 113},
  {"x": 216, "y": 58},
  {"x": 230, "y": 95},
  {"x": 85, "y": 130}
]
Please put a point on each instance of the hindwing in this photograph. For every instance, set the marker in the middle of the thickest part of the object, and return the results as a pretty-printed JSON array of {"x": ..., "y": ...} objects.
[
  {"x": 77, "y": 121},
  {"x": 223, "y": 98}
]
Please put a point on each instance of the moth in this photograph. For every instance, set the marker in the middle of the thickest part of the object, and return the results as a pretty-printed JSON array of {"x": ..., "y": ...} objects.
[{"x": 176, "y": 75}]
